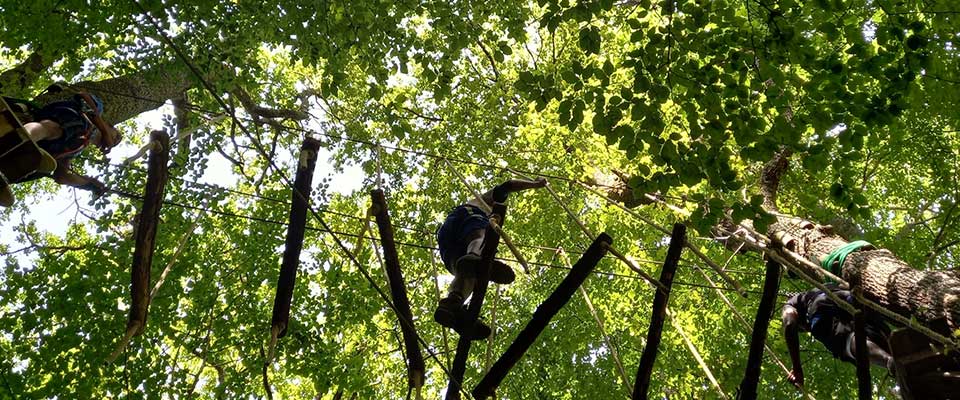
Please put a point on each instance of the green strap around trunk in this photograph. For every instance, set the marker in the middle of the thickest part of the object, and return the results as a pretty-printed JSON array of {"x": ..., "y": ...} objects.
[{"x": 839, "y": 255}]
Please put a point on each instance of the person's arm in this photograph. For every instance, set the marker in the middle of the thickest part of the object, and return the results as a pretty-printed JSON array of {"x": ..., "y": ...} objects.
[
  {"x": 64, "y": 176},
  {"x": 791, "y": 333},
  {"x": 499, "y": 193}
]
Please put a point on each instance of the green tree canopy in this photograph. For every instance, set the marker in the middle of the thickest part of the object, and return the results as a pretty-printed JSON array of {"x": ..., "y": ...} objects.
[{"x": 681, "y": 100}]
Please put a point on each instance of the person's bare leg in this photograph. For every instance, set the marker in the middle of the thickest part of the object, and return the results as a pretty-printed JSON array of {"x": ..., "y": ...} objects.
[
  {"x": 462, "y": 284},
  {"x": 878, "y": 356},
  {"x": 43, "y": 130}
]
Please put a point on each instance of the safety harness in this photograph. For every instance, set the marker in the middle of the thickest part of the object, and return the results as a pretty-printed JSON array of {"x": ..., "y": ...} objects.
[{"x": 93, "y": 116}]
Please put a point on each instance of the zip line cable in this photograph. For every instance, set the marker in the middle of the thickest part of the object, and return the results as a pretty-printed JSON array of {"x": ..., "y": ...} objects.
[
  {"x": 370, "y": 143},
  {"x": 327, "y": 210},
  {"x": 401, "y": 243}
]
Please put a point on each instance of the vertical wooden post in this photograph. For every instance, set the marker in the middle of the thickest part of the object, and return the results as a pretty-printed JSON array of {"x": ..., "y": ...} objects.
[
  {"x": 864, "y": 385},
  {"x": 660, "y": 299},
  {"x": 751, "y": 377},
  {"x": 542, "y": 316},
  {"x": 144, "y": 238},
  {"x": 294, "y": 241},
  {"x": 490, "y": 241},
  {"x": 398, "y": 291}
]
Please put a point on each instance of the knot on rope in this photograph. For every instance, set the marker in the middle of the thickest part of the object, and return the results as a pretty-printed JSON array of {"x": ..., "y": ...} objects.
[{"x": 834, "y": 260}]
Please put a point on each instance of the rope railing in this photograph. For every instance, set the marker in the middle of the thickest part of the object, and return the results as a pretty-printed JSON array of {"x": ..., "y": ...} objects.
[
  {"x": 589, "y": 234},
  {"x": 791, "y": 260},
  {"x": 783, "y": 256},
  {"x": 726, "y": 277}
]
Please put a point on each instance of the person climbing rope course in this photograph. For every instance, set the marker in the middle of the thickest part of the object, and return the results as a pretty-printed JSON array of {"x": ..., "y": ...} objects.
[
  {"x": 64, "y": 129},
  {"x": 460, "y": 240},
  {"x": 812, "y": 311}
]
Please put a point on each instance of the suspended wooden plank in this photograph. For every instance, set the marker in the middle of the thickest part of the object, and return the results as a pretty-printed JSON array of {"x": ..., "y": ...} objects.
[
  {"x": 398, "y": 291},
  {"x": 294, "y": 242},
  {"x": 768, "y": 300},
  {"x": 542, "y": 316},
  {"x": 923, "y": 369},
  {"x": 660, "y": 299},
  {"x": 490, "y": 241},
  {"x": 144, "y": 238},
  {"x": 864, "y": 386}
]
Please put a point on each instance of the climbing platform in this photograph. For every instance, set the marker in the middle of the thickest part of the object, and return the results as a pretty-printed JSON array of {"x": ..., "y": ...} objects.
[
  {"x": 923, "y": 370},
  {"x": 19, "y": 156}
]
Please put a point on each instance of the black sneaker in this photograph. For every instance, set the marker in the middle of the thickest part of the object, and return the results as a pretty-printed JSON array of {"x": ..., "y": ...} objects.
[
  {"x": 468, "y": 264},
  {"x": 448, "y": 310},
  {"x": 501, "y": 273},
  {"x": 480, "y": 330}
]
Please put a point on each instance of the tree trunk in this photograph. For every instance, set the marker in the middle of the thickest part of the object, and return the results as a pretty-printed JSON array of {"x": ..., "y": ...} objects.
[
  {"x": 128, "y": 96},
  {"x": 932, "y": 297}
]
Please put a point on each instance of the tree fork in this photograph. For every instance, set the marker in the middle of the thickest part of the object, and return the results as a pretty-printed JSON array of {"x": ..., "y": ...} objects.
[
  {"x": 490, "y": 241},
  {"x": 145, "y": 239},
  {"x": 398, "y": 291},
  {"x": 751, "y": 377},
  {"x": 542, "y": 316},
  {"x": 294, "y": 242},
  {"x": 660, "y": 300}
]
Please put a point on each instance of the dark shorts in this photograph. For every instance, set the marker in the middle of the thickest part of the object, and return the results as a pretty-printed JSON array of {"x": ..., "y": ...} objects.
[
  {"x": 452, "y": 235},
  {"x": 67, "y": 114},
  {"x": 834, "y": 332}
]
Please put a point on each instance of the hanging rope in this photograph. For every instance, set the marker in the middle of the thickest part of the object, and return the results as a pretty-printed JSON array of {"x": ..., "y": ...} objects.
[
  {"x": 586, "y": 231},
  {"x": 696, "y": 354},
  {"x": 719, "y": 270}
]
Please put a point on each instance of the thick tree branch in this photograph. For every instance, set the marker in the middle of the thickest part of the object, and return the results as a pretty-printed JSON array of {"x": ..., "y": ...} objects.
[
  {"x": 258, "y": 112},
  {"x": 770, "y": 178}
]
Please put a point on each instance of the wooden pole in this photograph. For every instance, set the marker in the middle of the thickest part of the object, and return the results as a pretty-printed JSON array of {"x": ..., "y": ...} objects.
[
  {"x": 660, "y": 300},
  {"x": 747, "y": 328},
  {"x": 398, "y": 291},
  {"x": 796, "y": 263},
  {"x": 173, "y": 259},
  {"x": 490, "y": 241},
  {"x": 864, "y": 385},
  {"x": 294, "y": 241},
  {"x": 145, "y": 236},
  {"x": 542, "y": 316},
  {"x": 758, "y": 339}
]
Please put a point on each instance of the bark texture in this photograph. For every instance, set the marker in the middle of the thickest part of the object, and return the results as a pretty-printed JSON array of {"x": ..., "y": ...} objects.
[
  {"x": 932, "y": 297},
  {"x": 127, "y": 96},
  {"x": 615, "y": 187}
]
